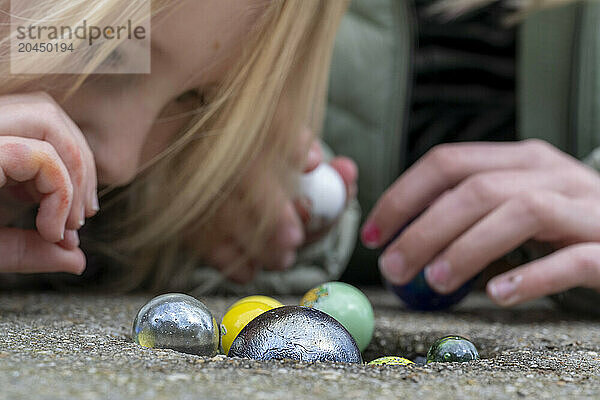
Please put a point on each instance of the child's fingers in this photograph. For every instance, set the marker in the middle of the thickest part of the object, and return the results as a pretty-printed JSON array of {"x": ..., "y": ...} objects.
[
  {"x": 245, "y": 273},
  {"x": 452, "y": 214},
  {"x": 280, "y": 253},
  {"x": 348, "y": 170},
  {"x": 303, "y": 159},
  {"x": 517, "y": 220},
  {"x": 289, "y": 233},
  {"x": 71, "y": 240},
  {"x": 223, "y": 255},
  {"x": 577, "y": 265},
  {"x": 504, "y": 229},
  {"x": 441, "y": 169},
  {"x": 234, "y": 239},
  {"x": 90, "y": 194},
  {"x": 284, "y": 236},
  {"x": 314, "y": 157},
  {"x": 25, "y": 251},
  {"x": 228, "y": 258},
  {"x": 38, "y": 116},
  {"x": 24, "y": 160}
]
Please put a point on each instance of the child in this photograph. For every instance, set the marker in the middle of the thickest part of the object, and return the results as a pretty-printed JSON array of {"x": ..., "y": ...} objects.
[{"x": 197, "y": 157}]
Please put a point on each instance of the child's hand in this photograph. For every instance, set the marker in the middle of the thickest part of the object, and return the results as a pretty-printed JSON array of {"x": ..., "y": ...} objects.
[
  {"x": 347, "y": 170},
  {"x": 45, "y": 159},
  {"x": 232, "y": 238},
  {"x": 482, "y": 201}
]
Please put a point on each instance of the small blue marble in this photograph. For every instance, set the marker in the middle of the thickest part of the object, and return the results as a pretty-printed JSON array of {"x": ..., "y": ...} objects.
[{"x": 419, "y": 296}]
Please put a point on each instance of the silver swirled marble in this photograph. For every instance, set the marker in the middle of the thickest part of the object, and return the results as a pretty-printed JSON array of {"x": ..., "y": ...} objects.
[
  {"x": 179, "y": 322},
  {"x": 297, "y": 333}
]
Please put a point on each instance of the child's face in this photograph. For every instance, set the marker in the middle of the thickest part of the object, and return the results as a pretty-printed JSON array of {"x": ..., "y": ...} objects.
[{"x": 128, "y": 119}]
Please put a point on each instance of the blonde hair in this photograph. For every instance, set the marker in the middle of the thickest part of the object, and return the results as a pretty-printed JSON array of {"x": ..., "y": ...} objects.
[{"x": 283, "y": 69}]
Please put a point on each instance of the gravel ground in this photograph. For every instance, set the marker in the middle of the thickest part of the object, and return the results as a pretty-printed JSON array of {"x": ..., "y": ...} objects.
[{"x": 59, "y": 346}]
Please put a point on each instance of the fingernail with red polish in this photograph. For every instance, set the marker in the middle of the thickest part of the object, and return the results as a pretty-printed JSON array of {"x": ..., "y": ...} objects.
[
  {"x": 437, "y": 274},
  {"x": 370, "y": 235},
  {"x": 393, "y": 267}
]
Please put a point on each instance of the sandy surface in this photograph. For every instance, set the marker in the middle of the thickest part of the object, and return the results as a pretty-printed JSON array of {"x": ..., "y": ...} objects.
[{"x": 57, "y": 346}]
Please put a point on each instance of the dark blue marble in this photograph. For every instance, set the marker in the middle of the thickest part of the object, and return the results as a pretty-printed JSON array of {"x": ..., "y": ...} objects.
[{"x": 419, "y": 296}]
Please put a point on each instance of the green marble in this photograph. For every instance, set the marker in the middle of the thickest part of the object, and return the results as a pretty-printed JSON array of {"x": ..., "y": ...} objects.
[
  {"x": 348, "y": 305},
  {"x": 452, "y": 349}
]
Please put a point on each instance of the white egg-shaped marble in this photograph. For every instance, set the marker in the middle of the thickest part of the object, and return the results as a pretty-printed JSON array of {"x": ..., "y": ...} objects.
[{"x": 325, "y": 192}]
